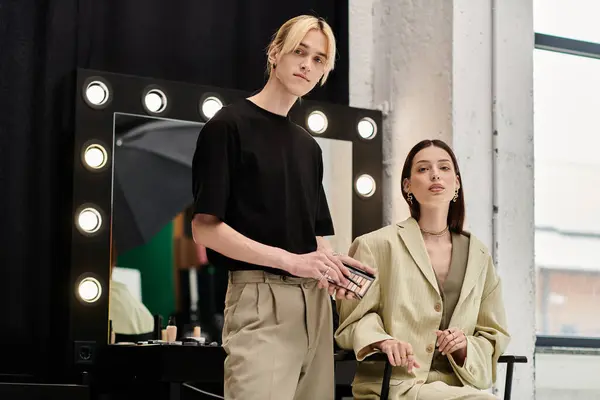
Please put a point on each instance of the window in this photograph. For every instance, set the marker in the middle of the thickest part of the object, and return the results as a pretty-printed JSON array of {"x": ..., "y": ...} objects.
[
  {"x": 567, "y": 197},
  {"x": 573, "y": 19},
  {"x": 567, "y": 193}
]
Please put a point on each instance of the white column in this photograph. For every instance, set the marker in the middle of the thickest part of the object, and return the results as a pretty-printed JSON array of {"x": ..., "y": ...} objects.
[
  {"x": 458, "y": 70},
  {"x": 513, "y": 149},
  {"x": 407, "y": 46},
  {"x": 362, "y": 53},
  {"x": 472, "y": 111}
]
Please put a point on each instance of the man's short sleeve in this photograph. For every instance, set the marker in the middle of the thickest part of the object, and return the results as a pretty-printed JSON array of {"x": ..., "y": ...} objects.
[
  {"x": 213, "y": 167},
  {"x": 323, "y": 222}
]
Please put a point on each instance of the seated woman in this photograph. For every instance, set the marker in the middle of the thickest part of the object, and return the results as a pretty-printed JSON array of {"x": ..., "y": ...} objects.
[
  {"x": 129, "y": 315},
  {"x": 436, "y": 306}
]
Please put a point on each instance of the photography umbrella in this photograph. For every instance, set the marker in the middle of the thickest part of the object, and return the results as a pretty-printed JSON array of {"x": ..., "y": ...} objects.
[{"x": 152, "y": 179}]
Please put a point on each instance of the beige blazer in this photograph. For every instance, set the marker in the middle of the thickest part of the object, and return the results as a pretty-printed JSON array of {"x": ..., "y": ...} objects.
[
  {"x": 129, "y": 316},
  {"x": 404, "y": 303}
]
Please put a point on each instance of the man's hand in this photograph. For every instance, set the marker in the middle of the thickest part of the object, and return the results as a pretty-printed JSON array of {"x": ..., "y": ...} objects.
[
  {"x": 325, "y": 266},
  {"x": 340, "y": 292},
  {"x": 318, "y": 265},
  {"x": 340, "y": 259},
  {"x": 354, "y": 263}
]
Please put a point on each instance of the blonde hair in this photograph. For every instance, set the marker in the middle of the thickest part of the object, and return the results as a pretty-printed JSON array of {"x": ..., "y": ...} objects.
[{"x": 291, "y": 33}]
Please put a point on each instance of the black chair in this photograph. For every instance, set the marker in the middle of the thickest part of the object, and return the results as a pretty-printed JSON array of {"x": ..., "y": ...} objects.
[{"x": 345, "y": 355}]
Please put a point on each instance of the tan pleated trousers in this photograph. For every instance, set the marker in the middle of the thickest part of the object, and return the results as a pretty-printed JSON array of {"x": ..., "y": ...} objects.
[{"x": 278, "y": 337}]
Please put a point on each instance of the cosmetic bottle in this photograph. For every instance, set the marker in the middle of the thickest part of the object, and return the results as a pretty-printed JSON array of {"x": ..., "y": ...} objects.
[
  {"x": 171, "y": 330},
  {"x": 197, "y": 332}
]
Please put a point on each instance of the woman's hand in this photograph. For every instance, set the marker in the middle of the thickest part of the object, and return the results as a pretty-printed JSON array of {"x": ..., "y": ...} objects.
[
  {"x": 399, "y": 353},
  {"x": 452, "y": 341}
]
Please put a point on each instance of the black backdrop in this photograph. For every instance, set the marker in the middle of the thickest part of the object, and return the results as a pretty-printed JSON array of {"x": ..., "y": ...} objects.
[{"x": 42, "y": 42}]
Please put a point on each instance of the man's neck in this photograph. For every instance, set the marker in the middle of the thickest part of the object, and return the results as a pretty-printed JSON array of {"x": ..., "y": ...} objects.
[{"x": 274, "y": 97}]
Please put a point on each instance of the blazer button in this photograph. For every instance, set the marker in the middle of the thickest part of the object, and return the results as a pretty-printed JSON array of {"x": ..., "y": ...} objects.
[
  {"x": 430, "y": 348},
  {"x": 420, "y": 382},
  {"x": 437, "y": 307}
]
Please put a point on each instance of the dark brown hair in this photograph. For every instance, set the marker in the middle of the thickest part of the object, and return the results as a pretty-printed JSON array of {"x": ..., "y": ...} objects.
[{"x": 456, "y": 212}]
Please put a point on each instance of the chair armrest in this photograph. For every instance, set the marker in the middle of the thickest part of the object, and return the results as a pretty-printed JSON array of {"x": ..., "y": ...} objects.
[
  {"x": 510, "y": 359},
  {"x": 347, "y": 355},
  {"x": 343, "y": 355},
  {"x": 379, "y": 356}
]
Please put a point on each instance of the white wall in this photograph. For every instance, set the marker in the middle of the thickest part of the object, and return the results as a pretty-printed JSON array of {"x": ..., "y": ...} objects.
[{"x": 460, "y": 70}]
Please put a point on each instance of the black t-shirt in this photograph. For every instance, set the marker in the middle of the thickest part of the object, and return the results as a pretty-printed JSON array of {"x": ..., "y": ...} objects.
[{"x": 262, "y": 175}]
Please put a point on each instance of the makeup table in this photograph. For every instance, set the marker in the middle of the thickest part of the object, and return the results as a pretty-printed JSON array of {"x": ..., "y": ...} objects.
[{"x": 159, "y": 371}]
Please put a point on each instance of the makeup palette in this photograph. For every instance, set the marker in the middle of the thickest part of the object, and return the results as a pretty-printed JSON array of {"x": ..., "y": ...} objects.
[{"x": 359, "y": 281}]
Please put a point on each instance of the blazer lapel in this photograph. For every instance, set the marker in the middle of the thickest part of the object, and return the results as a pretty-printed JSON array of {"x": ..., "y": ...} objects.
[
  {"x": 411, "y": 236},
  {"x": 475, "y": 266}
]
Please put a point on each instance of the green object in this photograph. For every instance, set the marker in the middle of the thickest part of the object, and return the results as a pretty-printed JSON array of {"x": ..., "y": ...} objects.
[{"x": 154, "y": 260}]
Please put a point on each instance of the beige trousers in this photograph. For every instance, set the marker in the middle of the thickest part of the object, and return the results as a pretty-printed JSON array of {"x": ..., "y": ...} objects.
[
  {"x": 278, "y": 337},
  {"x": 438, "y": 387}
]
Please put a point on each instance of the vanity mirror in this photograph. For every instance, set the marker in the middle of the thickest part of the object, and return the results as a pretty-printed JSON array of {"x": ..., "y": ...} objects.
[{"x": 134, "y": 140}]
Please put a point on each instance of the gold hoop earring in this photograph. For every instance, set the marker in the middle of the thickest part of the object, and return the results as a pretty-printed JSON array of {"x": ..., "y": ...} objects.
[
  {"x": 455, "y": 196},
  {"x": 409, "y": 198}
]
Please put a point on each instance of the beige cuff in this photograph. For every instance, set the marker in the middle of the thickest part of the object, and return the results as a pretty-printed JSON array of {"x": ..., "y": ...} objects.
[
  {"x": 466, "y": 372},
  {"x": 363, "y": 344}
]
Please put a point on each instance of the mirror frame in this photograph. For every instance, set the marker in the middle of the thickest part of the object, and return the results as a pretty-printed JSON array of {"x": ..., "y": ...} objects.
[{"x": 90, "y": 254}]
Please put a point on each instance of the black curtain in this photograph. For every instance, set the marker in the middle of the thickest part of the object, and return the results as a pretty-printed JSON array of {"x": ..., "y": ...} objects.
[
  {"x": 217, "y": 42},
  {"x": 42, "y": 42}
]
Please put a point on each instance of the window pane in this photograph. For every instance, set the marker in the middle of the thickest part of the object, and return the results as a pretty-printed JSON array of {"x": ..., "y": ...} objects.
[
  {"x": 567, "y": 193},
  {"x": 566, "y": 376},
  {"x": 574, "y": 19}
]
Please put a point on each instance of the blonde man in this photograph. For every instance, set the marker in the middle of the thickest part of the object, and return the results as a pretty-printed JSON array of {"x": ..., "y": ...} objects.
[{"x": 261, "y": 211}]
